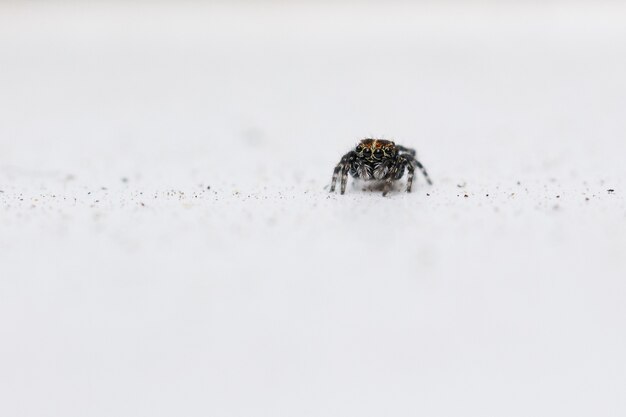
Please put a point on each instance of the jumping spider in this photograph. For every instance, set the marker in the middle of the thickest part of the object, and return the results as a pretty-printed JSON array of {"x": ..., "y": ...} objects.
[{"x": 377, "y": 159}]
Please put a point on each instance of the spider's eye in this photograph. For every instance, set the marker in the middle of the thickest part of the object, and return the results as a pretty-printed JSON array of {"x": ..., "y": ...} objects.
[
  {"x": 367, "y": 152},
  {"x": 359, "y": 148},
  {"x": 378, "y": 153}
]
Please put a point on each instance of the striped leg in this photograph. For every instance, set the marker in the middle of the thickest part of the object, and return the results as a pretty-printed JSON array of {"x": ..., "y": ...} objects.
[
  {"x": 342, "y": 167},
  {"x": 410, "y": 151},
  {"x": 335, "y": 175},
  {"x": 421, "y": 167},
  {"x": 344, "y": 178},
  {"x": 409, "y": 178}
]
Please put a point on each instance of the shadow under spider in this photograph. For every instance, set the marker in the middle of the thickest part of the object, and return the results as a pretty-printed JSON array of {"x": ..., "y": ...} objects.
[{"x": 376, "y": 186}]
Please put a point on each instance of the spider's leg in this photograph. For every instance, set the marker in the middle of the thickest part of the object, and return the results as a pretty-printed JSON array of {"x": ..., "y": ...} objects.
[
  {"x": 410, "y": 151},
  {"x": 411, "y": 173},
  {"x": 335, "y": 175},
  {"x": 418, "y": 164},
  {"x": 344, "y": 177},
  {"x": 341, "y": 167}
]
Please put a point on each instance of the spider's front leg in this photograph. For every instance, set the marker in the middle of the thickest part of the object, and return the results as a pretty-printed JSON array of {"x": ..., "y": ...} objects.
[{"x": 342, "y": 167}]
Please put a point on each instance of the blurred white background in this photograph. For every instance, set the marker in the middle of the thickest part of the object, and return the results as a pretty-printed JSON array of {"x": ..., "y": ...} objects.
[{"x": 168, "y": 247}]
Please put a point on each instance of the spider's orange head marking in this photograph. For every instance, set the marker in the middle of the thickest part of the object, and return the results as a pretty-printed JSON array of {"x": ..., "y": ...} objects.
[{"x": 376, "y": 149}]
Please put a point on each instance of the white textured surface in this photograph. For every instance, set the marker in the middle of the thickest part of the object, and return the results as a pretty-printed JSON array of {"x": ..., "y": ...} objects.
[{"x": 129, "y": 288}]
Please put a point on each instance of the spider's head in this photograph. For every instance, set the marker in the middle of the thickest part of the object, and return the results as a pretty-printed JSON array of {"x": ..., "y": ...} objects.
[{"x": 376, "y": 149}]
